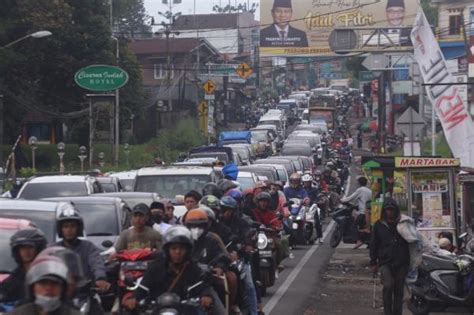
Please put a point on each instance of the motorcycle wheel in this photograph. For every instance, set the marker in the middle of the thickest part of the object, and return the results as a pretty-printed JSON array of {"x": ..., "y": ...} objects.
[
  {"x": 336, "y": 237},
  {"x": 418, "y": 305},
  {"x": 268, "y": 277}
]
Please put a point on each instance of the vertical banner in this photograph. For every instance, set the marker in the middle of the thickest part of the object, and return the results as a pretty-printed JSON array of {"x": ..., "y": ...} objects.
[{"x": 445, "y": 98}]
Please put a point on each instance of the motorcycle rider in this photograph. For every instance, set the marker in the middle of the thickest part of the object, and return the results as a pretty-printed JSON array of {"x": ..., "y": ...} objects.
[
  {"x": 389, "y": 252},
  {"x": 296, "y": 190},
  {"x": 313, "y": 194},
  {"x": 25, "y": 245},
  {"x": 215, "y": 226},
  {"x": 46, "y": 286},
  {"x": 157, "y": 211},
  {"x": 278, "y": 202},
  {"x": 169, "y": 216},
  {"x": 140, "y": 235},
  {"x": 70, "y": 227},
  {"x": 174, "y": 271},
  {"x": 191, "y": 199},
  {"x": 361, "y": 196},
  {"x": 263, "y": 214}
]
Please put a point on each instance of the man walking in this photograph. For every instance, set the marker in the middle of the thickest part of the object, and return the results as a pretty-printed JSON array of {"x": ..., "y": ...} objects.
[{"x": 389, "y": 252}]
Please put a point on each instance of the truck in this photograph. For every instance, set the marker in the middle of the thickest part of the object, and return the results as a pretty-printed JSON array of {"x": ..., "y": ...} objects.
[{"x": 326, "y": 114}]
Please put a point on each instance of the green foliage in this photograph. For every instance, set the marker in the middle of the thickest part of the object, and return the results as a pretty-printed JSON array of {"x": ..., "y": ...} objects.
[
  {"x": 131, "y": 19},
  {"x": 431, "y": 12},
  {"x": 26, "y": 172},
  {"x": 241, "y": 7},
  {"x": 354, "y": 66}
]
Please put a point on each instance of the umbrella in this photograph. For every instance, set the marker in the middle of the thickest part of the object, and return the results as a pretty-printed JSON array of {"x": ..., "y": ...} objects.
[{"x": 374, "y": 125}]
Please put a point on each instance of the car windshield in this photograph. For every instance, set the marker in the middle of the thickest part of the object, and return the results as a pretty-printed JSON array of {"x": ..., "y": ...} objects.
[
  {"x": 243, "y": 152},
  {"x": 109, "y": 187},
  {"x": 127, "y": 184},
  {"x": 246, "y": 182},
  {"x": 49, "y": 190},
  {"x": 282, "y": 174},
  {"x": 7, "y": 263},
  {"x": 221, "y": 156},
  {"x": 171, "y": 185},
  {"x": 296, "y": 150},
  {"x": 99, "y": 219},
  {"x": 268, "y": 173},
  {"x": 259, "y": 136},
  {"x": 44, "y": 220}
]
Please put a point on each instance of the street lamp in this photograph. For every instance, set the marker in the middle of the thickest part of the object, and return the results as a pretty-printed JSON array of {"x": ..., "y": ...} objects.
[
  {"x": 33, "y": 142},
  {"x": 61, "y": 146},
  {"x": 82, "y": 156},
  {"x": 101, "y": 159},
  {"x": 126, "y": 150},
  {"x": 39, "y": 34}
]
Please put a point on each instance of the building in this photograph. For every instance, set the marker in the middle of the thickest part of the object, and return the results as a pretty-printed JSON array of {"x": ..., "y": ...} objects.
[{"x": 183, "y": 86}]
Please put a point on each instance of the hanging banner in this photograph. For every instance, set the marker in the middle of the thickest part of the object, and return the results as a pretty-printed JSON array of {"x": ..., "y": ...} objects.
[{"x": 446, "y": 99}]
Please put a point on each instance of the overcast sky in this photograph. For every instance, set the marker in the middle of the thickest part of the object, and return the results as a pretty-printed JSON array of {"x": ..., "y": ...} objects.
[{"x": 187, "y": 6}]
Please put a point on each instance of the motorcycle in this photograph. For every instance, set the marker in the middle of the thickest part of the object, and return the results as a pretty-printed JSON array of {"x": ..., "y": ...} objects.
[
  {"x": 344, "y": 230},
  {"x": 444, "y": 284},
  {"x": 266, "y": 252},
  {"x": 297, "y": 222}
]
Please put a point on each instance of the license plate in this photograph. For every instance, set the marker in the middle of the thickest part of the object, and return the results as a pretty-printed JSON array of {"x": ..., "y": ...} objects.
[
  {"x": 135, "y": 265},
  {"x": 266, "y": 253}
]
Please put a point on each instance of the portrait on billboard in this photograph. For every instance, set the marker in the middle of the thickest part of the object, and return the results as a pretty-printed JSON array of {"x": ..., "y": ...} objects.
[
  {"x": 281, "y": 33},
  {"x": 395, "y": 12}
]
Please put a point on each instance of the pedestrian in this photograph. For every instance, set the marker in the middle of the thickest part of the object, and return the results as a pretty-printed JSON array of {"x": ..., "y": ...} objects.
[
  {"x": 359, "y": 139},
  {"x": 389, "y": 252}
]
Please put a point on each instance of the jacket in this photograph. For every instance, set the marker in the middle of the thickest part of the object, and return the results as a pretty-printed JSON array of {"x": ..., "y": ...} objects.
[
  {"x": 92, "y": 262},
  {"x": 268, "y": 218},
  {"x": 159, "y": 277},
  {"x": 313, "y": 193},
  {"x": 387, "y": 246},
  {"x": 278, "y": 204},
  {"x": 12, "y": 289},
  {"x": 33, "y": 309},
  {"x": 299, "y": 193},
  {"x": 210, "y": 250}
]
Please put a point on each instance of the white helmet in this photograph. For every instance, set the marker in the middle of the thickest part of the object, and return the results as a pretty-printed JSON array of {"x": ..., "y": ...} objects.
[{"x": 307, "y": 178}]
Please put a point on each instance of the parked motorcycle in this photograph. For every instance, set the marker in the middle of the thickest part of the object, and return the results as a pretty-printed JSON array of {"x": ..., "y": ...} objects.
[
  {"x": 344, "y": 230},
  {"x": 444, "y": 284}
]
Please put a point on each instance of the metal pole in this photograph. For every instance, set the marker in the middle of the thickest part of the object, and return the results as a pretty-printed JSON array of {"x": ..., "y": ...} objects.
[
  {"x": 412, "y": 153},
  {"x": 117, "y": 111},
  {"x": 433, "y": 131},
  {"x": 91, "y": 133},
  {"x": 33, "y": 158},
  {"x": 168, "y": 61}
]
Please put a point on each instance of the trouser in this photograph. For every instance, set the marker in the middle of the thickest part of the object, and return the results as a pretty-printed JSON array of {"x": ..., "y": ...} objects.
[
  {"x": 393, "y": 281},
  {"x": 250, "y": 290},
  {"x": 359, "y": 223},
  {"x": 317, "y": 225}
]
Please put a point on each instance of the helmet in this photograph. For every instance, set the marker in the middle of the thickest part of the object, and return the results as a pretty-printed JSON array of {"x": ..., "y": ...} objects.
[
  {"x": 263, "y": 196},
  {"x": 210, "y": 213},
  {"x": 71, "y": 259},
  {"x": 196, "y": 217},
  {"x": 234, "y": 193},
  {"x": 47, "y": 267},
  {"x": 210, "y": 201},
  {"x": 229, "y": 203},
  {"x": 225, "y": 185},
  {"x": 70, "y": 214},
  {"x": 330, "y": 165},
  {"x": 317, "y": 173},
  {"x": 211, "y": 189},
  {"x": 248, "y": 192},
  {"x": 177, "y": 234},
  {"x": 27, "y": 237},
  {"x": 307, "y": 178}
]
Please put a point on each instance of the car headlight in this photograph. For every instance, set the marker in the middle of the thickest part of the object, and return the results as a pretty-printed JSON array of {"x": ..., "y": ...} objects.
[{"x": 262, "y": 241}]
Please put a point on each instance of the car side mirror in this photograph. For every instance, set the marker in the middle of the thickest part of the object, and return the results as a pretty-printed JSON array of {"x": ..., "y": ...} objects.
[{"x": 107, "y": 243}]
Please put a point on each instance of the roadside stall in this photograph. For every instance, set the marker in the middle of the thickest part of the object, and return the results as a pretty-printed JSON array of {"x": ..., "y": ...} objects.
[
  {"x": 431, "y": 190},
  {"x": 465, "y": 199}
]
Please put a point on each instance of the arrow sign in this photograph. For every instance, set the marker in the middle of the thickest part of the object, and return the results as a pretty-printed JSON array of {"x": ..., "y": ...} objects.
[
  {"x": 202, "y": 108},
  {"x": 209, "y": 87},
  {"x": 244, "y": 70},
  {"x": 376, "y": 62}
]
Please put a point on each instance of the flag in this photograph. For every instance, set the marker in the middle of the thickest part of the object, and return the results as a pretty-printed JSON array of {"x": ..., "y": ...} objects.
[{"x": 445, "y": 98}]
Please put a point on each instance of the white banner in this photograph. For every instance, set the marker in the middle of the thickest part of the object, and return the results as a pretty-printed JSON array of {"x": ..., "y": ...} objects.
[{"x": 446, "y": 99}]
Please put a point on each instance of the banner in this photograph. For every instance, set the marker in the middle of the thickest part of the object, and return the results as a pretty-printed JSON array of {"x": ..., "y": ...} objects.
[
  {"x": 446, "y": 99},
  {"x": 303, "y": 27}
]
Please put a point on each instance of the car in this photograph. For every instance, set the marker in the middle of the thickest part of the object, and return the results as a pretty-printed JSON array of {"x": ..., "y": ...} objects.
[
  {"x": 262, "y": 170},
  {"x": 104, "y": 217},
  {"x": 303, "y": 162},
  {"x": 245, "y": 152},
  {"x": 59, "y": 186},
  {"x": 170, "y": 181},
  {"x": 280, "y": 168},
  {"x": 8, "y": 227},
  {"x": 309, "y": 127},
  {"x": 126, "y": 179},
  {"x": 247, "y": 180},
  {"x": 288, "y": 166},
  {"x": 221, "y": 153},
  {"x": 42, "y": 213},
  {"x": 132, "y": 198},
  {"x": 263, "y": 142},
  {"x": 109, "y": 183},
  {"x": 297, "y": 148}
]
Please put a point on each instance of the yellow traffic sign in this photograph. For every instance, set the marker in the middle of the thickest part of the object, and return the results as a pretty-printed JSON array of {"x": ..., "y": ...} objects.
[
  {"x": 209, "y": 87},
  {"x": 202, "y": 107},
  {"x": 244, "y": 70}
]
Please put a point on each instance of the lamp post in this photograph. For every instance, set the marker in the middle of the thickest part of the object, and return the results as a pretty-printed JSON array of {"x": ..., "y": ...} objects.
[
  {"x": 39, "y": 34},
  {"x": 101, "y": 159},
  {"x": 61, "y": 146},
  {"x": 126, "y": 150},
  {"x": 33, "y": 142},
  {"x": 82, "y": 156}
]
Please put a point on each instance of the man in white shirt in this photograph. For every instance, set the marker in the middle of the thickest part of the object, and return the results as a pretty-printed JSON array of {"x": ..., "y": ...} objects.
[
  {"x": 360, "y": 197},
  {"x": 157, "y": 210}
]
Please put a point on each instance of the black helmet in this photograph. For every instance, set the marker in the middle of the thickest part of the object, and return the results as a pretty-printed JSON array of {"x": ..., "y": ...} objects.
[
  {"x": 27, "y": 237},
  {"x": 47, "y": 267},
  {"x": 70, "y": 214},
  {"x": 178, "y": 234},
  {"x": 229, "y": 203},
  {"x": 263, "y": 196},
  {"x": 211, "y": 189}
]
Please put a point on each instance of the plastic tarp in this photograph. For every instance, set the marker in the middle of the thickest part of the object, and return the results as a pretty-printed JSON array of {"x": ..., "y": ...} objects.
[
  {"x": 231, "y": 171},
  {"x": 233, "y": 136}
]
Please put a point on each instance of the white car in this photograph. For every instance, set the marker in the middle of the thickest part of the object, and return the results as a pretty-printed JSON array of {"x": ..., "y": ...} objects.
[{"x": 126, "y": 179}]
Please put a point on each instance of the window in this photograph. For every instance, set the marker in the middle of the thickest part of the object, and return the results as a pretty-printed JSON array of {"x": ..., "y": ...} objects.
[
  {"x": 160, "y": 71},
  {"x": 455, "y": 25}
]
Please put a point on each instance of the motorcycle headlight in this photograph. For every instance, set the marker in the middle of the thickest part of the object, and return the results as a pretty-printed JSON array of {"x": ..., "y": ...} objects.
[
  {"x": 298, "y": 218},
  {"x": 294, "y": 226},
  {"x": 262, "y": 241}
]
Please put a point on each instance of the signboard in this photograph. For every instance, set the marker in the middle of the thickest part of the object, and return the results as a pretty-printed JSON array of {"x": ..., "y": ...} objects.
[
  {"x": 244, "y": 71},
  {"x": 101, "y": 78},
  {"x": 402, "y": 87},
  {"x": 312, "y": 21},
  {"x": 446, "y": 99},
  {"x": 366, "y": 76},
  {"x": 462, "y": 89},
  {"x": 209, "y": 87},
  {"x": 209, "y": 97},
  {"x": 415, "y": 162},
  {"x": 202, "y": 108}
]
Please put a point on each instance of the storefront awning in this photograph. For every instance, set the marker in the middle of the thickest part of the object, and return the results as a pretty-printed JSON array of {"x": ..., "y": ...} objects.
[{"x": 453, "y": 49}]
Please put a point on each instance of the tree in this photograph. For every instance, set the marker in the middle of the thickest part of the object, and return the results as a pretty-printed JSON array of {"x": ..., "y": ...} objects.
[
  {"x": 245, "y": 7},
  {"x": 431, "y": 12},
  {"x": 131, "y": 19}
]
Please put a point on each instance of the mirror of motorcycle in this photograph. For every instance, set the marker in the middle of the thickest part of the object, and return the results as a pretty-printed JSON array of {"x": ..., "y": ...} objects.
[
  {"x": 107, "y": 243},
  {"x": 463, "y": 235}
]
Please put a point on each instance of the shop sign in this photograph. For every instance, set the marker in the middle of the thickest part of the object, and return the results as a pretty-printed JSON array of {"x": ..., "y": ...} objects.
[{"x": 415, "y": 162}]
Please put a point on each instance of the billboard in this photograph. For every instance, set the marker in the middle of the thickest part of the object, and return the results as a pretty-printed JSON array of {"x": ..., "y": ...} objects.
[{"x": 303, "y": 27}]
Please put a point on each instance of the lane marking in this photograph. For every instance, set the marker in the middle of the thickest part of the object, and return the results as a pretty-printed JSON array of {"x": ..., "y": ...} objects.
[{"x": 270, "y": 305}]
